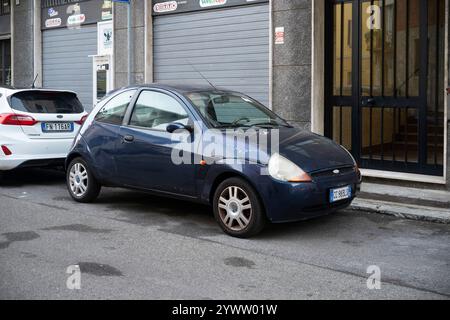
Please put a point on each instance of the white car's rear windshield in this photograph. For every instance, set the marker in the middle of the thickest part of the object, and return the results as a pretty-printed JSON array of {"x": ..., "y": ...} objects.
[{"x": 46, "y": 102}]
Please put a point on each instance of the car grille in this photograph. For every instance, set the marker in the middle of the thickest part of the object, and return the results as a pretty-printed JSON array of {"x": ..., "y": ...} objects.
[{"x": 330, "y": 173}]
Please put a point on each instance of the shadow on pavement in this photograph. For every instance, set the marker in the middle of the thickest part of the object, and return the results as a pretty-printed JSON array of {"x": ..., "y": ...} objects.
[
  {"x": 32, "y": 176},
  {"x": 145, "y": 209}
]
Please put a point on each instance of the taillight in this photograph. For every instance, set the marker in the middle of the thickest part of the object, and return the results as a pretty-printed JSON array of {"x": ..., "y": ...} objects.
[
  {"x": 12, "y": 119},
  {"x": 6, "y": 151},
  {"x": 82, "y": 120}
]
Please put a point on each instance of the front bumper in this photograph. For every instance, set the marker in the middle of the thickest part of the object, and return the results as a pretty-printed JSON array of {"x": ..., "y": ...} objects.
[{"x": 287, "y": 202}]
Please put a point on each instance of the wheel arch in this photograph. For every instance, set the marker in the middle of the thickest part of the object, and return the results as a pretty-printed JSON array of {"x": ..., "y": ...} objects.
[
  {"x": 233, "y": 174},
  {"x": 72, "y": 156}
]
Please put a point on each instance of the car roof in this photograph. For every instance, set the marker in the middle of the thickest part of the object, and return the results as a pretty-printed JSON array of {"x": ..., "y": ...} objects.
[{"x": 181, "y": 88}]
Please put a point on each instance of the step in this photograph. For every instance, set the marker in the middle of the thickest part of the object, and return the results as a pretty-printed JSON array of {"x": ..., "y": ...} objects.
[
  {"x": 402, "y": 210},
  {"x": 441, "y": 197}
]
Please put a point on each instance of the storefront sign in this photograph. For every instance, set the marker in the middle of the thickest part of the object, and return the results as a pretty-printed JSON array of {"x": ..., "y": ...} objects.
[
  {"x": 163, "y": 7},
  {"x": 53, "y": 23},
  {"x": 75, "y": 14}
]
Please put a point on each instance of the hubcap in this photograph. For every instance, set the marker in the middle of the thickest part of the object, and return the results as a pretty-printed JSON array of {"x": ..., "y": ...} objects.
[
  {"x": 235, "y": 208},
  {"x": 78, "y": 179}
]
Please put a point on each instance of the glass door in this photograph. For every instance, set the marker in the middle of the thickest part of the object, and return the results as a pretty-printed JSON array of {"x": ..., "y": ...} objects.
[{"x": 385, "y": 99}]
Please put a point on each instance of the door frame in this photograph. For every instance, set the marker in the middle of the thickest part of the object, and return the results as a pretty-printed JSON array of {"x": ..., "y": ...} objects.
[{"x": 320, "y": 86}]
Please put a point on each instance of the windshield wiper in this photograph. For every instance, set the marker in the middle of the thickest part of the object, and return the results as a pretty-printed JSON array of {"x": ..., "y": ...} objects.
[
  {"x": 230, "y": 125},
  {"x": 271, "y": 123}
]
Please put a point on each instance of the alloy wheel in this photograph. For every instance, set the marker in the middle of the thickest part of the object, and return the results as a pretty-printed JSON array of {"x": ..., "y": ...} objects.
[
  {"x": 78, "y": 179},
  {"x": 235, "y": 208}
]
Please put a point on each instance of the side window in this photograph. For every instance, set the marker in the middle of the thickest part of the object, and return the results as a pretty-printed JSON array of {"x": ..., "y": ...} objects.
[
  {"x": 156, "y": 110},
  {"x": 114, "y": 110}
]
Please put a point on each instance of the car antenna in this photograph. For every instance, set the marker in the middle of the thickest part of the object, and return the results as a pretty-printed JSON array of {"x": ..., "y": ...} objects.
[
  {"x": 33, "y": 85},
  {"x": 201, "y": 74}
]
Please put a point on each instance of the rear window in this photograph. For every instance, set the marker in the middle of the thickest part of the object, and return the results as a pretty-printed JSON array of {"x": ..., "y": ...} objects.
[{"x": 46, "y": 102}]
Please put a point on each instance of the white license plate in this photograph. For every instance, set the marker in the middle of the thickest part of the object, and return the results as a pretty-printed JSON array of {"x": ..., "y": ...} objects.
[
  {"x": 340, "y": 194},
  {"x": 57, "y": 127}
]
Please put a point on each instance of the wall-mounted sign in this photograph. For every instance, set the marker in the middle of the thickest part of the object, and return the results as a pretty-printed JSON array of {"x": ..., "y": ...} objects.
[
  {"x": 374, "y": 20},
  {"x": 279, "y": 35},
  {"x": 105, "y": 38},
  {"x": 107, "y": 10},
  {"x": 212, "y": 3},
  {"x": 163, "y": 7},
  {"x": 167, "y": 6},
  {"x": 53, "y": 23},
  {"x": 75, "y": 14}
]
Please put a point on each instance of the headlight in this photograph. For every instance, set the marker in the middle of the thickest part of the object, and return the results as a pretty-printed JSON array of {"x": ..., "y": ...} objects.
[
  {"x": 282, "y": 169},
  {"x": 351, "y": 156}
]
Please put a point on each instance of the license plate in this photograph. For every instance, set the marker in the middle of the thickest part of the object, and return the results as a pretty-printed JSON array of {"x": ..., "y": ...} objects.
[
  {"x": 57, "y": 127},
  {"x": 339, "y": 194}
]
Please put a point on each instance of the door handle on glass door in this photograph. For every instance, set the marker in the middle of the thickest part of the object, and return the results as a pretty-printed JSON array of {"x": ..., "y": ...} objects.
[{"x": 368, "y": 101}]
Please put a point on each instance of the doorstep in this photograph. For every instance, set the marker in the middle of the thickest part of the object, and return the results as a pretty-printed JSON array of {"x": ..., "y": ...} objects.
[{"x": 404, "y": 202}]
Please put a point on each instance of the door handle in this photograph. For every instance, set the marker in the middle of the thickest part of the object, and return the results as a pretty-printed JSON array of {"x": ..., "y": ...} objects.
[
  {"x": 368, "y": 101},
  {"x": 128, "y": 139}
]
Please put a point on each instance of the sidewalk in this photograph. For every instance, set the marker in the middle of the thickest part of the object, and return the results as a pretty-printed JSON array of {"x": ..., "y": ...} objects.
[{"x": 404, "y": 202}]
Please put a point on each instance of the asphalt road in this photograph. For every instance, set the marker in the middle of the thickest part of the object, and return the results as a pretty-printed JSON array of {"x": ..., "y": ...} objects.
[{"x": 130, "y": 245}]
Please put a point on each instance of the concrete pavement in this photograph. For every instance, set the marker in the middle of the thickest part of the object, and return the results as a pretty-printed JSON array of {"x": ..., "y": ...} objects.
[{"x": 130, "y": 245}]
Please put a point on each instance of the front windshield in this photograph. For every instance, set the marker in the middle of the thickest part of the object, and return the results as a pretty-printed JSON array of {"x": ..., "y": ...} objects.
[{"x": 230, "y": 110}]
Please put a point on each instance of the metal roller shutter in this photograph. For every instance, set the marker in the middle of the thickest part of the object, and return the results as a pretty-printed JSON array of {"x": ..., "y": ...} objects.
[
  {"x": 66, "y": 63},
  {"x": 230, "y": 47}
]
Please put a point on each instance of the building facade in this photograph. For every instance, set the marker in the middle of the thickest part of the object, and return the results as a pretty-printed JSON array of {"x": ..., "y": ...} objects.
[{"x": 370, "y": 74}]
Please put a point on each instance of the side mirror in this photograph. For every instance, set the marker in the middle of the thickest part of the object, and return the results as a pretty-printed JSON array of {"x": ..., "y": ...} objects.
[{"x": 171, "y": 128}]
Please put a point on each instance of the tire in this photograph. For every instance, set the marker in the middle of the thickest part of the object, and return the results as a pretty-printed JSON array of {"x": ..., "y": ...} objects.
[
  {"x": 81, "y": 183},
  {"x": 238, "y": 209}
]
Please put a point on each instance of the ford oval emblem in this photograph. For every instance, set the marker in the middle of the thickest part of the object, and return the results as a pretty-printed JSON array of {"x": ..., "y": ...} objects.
[
  {"x": 59, "y": 116},
  {"x": 336, "y": 171}
]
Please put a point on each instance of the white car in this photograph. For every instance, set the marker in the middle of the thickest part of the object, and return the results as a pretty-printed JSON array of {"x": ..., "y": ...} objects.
[{"x": 37, "y": 126}]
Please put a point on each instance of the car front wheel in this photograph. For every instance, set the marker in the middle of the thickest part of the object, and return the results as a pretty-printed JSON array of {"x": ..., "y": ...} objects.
[
  {"x": 81, "y": 183},
  {"x": 237, "y": 208}
]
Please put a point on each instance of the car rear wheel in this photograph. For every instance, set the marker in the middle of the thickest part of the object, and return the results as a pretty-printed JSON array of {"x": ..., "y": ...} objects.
[
  {"x": 81, "y": 183},
  {"x": 237, "y": 208}
]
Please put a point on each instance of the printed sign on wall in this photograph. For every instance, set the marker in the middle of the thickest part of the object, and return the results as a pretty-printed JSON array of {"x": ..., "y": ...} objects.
[
  {"x": 279, "y": 35},
  {"x": 105, "y": 38}
]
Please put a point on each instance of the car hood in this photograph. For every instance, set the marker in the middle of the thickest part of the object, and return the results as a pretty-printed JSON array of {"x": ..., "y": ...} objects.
[{"x": 310, "y": 151}]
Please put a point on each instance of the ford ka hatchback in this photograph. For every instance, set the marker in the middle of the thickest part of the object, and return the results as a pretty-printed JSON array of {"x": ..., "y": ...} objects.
[{"x": 152, "y": 138}]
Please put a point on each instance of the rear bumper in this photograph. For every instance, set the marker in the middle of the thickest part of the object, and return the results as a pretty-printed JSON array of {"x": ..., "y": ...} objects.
[{"x": 34, "y": 153}]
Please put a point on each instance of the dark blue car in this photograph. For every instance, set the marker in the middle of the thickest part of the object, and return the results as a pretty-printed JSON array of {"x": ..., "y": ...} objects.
[{"x": 211, "y": 146}]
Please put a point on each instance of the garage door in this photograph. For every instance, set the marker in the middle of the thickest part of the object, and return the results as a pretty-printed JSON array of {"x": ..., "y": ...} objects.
[
  {"x": 230, "y": 47},
  {"x": 66, "y": 61}
]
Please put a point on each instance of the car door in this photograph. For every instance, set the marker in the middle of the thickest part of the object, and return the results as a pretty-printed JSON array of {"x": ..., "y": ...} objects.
[
  {"x": 103, "y": 135},
  {"x": 144, "y": 156}
]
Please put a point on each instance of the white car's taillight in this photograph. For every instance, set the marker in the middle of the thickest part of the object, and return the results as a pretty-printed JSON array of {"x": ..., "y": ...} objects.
[
  {"x": 82, "y": 120},
  {"x": 12, "y": 119}
]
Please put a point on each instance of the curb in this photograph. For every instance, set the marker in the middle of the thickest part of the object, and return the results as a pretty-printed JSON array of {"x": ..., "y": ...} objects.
[{"x": 405, "y": 211}]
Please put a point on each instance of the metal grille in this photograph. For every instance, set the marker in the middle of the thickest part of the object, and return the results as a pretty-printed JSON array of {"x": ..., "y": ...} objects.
[{"x": 385, "y": 94}]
